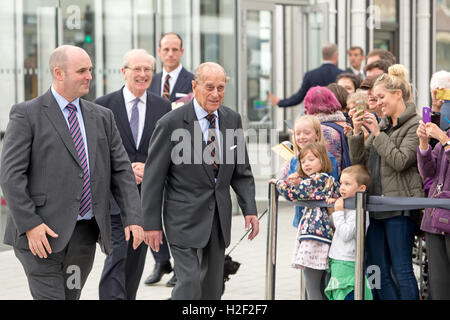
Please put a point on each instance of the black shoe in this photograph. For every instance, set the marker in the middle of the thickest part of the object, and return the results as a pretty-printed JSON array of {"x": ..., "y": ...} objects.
[
  {"x": 159, "y": 270},
  {"x": 172, "y": 282}
]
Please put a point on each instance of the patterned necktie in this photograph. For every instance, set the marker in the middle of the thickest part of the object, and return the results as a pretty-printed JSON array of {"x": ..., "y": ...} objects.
[
  {"x": 166, "y": 89},
  {"x": 86, "y": 199},
  {"x": 134, "y": 120},
  {"x": 211, "y": 143}
]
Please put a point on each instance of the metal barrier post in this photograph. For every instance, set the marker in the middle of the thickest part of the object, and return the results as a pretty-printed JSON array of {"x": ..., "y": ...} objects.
[
  {"x": 271, "y": 242},
  {"x": 302, "y": 286},
  {"x": 360, "y": 233}
]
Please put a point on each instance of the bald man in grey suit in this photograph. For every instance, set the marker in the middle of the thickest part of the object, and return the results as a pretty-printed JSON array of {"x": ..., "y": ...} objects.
[{"x": 61, "y": 157}]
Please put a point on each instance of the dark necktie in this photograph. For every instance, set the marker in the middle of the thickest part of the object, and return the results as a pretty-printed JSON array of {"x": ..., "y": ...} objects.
[
  {"x": 86, "y": 199},
  {"x": 134, "y": 121},
  {"x": 211, "y": 144},
  {"x": 166, "y": 90}
]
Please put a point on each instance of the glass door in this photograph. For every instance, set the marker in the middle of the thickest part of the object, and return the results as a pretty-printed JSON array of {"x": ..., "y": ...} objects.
[
  {"x": 316, "y": 32},
  {"x": 256, "y": 56}
]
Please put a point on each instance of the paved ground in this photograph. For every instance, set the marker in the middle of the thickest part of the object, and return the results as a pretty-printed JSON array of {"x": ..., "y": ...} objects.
[{"x": 247, "y": 284}]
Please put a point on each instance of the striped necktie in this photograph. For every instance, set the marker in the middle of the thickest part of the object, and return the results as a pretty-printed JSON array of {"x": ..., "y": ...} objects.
[
  {"x": 134, "y": 121},
  {"x": 75, "y": 131},
  {"x": 211, "y": 144},
  {"x": 166, "y": 89}
]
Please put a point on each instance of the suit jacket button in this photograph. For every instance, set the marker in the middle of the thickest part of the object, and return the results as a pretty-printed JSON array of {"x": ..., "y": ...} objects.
[
  {"x": 81, "y": 176},
  {"x": 78, "y": 198}
]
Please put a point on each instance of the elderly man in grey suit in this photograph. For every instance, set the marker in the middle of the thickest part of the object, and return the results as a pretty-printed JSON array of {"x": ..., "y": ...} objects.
[
  {"x": 196, "y": 153},
  {"x": 61, "y": 157}
]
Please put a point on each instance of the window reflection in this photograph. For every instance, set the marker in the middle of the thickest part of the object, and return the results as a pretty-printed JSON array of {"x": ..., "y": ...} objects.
[{"x": 443, "y": 35}]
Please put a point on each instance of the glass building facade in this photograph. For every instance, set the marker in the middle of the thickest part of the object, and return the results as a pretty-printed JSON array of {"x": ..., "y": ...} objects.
[{"x": 264, "y": 45}]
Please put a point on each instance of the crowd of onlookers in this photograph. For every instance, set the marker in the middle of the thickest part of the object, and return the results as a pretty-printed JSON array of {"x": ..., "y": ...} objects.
[{"x": 364, "y": 132}]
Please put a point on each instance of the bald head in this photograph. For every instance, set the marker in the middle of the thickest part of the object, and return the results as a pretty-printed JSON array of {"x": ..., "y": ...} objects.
[
  {"x": 60, "y": 57},
  {"x": 71, "y": 69}
]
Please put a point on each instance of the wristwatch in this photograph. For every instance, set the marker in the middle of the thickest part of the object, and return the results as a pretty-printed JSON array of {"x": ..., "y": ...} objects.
[{"x": 447, "y": 144}]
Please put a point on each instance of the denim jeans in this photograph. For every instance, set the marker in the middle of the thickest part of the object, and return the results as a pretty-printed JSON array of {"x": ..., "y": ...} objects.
[{"x": 389, "y": 245}]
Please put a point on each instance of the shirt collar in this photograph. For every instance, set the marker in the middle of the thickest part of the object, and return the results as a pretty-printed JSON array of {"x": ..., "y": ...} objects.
[
  {"x": 129, "y": 97},
  {"x": 62, "y": 102},
  {"x": 200, "y": 112},
  {"x": 173, "y": 74}
]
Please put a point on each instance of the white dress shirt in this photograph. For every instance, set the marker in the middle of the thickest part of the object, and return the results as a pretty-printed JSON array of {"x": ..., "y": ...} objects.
[
  {"x": 343, "y": 245},
  {"x": 142, "y": 107}
]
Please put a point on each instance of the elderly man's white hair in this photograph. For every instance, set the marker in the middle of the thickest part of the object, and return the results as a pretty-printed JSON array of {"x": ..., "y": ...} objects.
[
  {"x": 440, "y": 79},
  {"x": 211, "y": 65},
  {"x": 128, "y": 55}
]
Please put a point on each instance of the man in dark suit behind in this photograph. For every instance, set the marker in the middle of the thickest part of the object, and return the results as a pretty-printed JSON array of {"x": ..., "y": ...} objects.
[
  {"x": 136, "y": 112},
  {"x": 321, "y": 76},
  {"x": 196, "y": 154},
  {"x": 61, "y": 157},
  {"x": 173, "y": 83},
  {"x": 356, "y": 58},
  {"x": 180, "y": 80}
]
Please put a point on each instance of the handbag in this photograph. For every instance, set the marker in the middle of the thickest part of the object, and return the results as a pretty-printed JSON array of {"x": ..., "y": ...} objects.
[{"x": 440, "y": 218}]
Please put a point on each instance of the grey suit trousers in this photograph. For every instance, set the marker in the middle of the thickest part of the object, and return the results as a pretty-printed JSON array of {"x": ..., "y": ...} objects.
[
  {"x": 63, "y": 274},
  {"x": 200, "y": 271}
]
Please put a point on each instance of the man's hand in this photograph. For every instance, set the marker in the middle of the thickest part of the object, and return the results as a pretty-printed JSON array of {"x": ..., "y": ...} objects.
[
  {"x": 273, "y": 99},
  {"x": 138, "y": 234},
  {"x": 38, "y": 242},
  {"x": 153, "y": 238},
  {"x": 252, "y": 220},
  {"x": 138, "y": 170}
]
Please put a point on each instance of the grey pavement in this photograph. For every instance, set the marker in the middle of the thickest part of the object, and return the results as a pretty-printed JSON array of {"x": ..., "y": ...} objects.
[{"x": 247, "y": 284}]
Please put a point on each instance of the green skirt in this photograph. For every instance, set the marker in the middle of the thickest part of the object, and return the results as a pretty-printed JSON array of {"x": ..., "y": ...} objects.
[{"x": 342, "y": 280}]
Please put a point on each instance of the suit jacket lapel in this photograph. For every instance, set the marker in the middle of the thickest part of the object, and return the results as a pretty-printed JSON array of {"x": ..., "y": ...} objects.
[
  {"x": 177, "y": 87},
  {"x": 91, "y": 132},
  {"x": 149, "y": 121},
  {"x": 120, "y": 111},
  {"x": 157, "y": 79},
  {"x": 223, "y": 126},
  {"x": 195, "y": 131},
  {"x": 57, "y": 119}
]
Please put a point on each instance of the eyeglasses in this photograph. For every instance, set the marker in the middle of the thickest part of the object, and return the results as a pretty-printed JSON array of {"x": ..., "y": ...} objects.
[
  {"x": 381, "y": 77},
  {"x": 140, "y": 69}
]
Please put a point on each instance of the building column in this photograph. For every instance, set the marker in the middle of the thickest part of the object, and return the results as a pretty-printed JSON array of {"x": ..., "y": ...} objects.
[
  {"x": 358, "y": 24},
  {"x": 9, "y": 65},
  {"x": 405, "y": 34},
  {"x": 423, "y": 53},
  {"x": 341, "y": 40}
]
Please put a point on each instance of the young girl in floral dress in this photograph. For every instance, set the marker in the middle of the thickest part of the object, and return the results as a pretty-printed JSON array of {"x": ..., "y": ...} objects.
[{"x": 314, "y": 232}]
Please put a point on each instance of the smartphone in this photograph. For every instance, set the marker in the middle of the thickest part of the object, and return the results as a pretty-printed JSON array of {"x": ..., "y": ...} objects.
[
  {"x": 443, "y": 94},
  {"x": 426, "y": 114},
  {"x": 359, "y": 107},
  {"x": 289, "y": 124}
]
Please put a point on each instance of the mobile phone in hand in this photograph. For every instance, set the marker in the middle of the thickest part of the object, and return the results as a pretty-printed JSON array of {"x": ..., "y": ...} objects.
[
  {"x": 443, "y": 94},
  {"x": 426, "y": 114}
]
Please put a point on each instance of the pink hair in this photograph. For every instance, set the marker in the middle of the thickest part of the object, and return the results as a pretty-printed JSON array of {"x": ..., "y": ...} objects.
[{"x": 321, "y": 100}]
